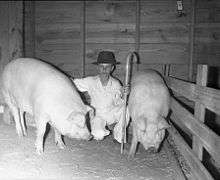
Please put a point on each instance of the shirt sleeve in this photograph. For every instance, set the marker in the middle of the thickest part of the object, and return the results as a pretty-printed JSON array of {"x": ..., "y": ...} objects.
[{"x": 81, "y": 84}]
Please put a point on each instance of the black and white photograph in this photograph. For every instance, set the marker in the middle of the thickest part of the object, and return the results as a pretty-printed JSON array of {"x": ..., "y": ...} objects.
[{"x": 110, "y": 90}]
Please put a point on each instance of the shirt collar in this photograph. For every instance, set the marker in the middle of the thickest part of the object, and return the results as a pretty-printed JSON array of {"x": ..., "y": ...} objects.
[{"x": 109, "y": 84}]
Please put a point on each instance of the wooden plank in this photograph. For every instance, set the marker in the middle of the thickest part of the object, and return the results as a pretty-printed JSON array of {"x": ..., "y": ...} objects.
[
  {"x": 179, "y": 70},
  {"x": 149, "y": 53},
  {"x": 50, "y": 12},
  {"x": 208, "y": 4},
  {"x": 15, "y": 29},
  {"x": 163, "y": 53},
  {"x": 191, "y": 39},
  {"x": 163, "y": 11},
  {"x": 208, "y": 11},
  {"x": 199, "y": 112},
  {"x": 164, "y": 32},
  {"x": 110, "y": 33},
  {"x": 83, "y": 37},
  {"x": 120, "y": 50},
  {"x": 209, "y": 139},
  {"x": 63, "y": 56},
  {"x": 137, "y": 31},
  {"x": 198, "y": 171},
  {"x": 62, "y": 26},
  {"x": 208, "y": 96},
  {"x": 56, "y": 36},
  {"x": 4, "y": 34},
  {"x": 29, "y": 25},
  {"x": 108, "y": 12},
  {"x": 207, "y": 33},
  {"x": 149, "y": 33}
]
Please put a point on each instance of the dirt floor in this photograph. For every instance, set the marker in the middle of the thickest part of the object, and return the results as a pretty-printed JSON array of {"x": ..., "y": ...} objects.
[{"x": 80, "y": 160}]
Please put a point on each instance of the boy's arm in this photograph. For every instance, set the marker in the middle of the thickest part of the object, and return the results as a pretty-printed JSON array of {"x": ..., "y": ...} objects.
[{"x": 81, "y": 84}]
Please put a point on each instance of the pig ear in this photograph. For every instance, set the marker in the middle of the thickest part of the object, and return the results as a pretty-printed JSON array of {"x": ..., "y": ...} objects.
[
  {"x": 141, "y": 123},
  {"x": 163, "y": 124},
  {"x": 91, "y": 112}
]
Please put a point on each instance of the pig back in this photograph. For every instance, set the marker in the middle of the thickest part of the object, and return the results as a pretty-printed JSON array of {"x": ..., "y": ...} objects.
[
  {"x": 29, "y": 80},
  {"x": 149, "y": 95}
]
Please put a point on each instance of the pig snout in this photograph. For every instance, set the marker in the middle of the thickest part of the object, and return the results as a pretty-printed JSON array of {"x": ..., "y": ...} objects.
[{"x": 84, "y": 134}]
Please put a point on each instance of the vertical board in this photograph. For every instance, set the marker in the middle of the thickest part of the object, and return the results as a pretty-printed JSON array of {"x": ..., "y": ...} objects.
[
  {"x": 15, "y": 29},
  {"x": 199, "y": 112},
  {"x": 109, "y": 26},
  {"x": 29, "y": 28},
  {"x": 4, "y": 34},
  {"x": 58, "y": 34}
]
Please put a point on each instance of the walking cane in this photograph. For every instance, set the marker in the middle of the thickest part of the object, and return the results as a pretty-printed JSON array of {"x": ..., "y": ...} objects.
[{"x": 130, "y": 57}]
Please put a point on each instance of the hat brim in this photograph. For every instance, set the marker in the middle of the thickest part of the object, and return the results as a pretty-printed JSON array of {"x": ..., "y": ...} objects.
[{"x": 96, "y": 63}]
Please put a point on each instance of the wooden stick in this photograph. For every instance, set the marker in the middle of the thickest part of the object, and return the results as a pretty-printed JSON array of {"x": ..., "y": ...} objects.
[{"x": 127, "y": 81}]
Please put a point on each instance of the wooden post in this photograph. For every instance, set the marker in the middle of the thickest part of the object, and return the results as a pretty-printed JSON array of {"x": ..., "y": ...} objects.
[
  {"x": 83, "y": 37},
  {"x": 137, "y": 30},
  {"x": 29, "y": 29},
  {"x": 199, "y": 112},
  {"x": 191, "y": 39},
  {"x": 15, "y": 29}
]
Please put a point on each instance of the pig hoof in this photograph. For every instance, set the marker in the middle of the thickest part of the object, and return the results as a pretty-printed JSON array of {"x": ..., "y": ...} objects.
[
  {"x": 115, "y": 141},
  {"x": 61, "y": 145},
  {"x": 20, "y": 135},
  {"x": 39, "y": 151},
  {"x": 130, "y": 156},
  {"x": 25, "y": 133},
  {"x": 152, "y": 150},
  {"x": 107, "y": 132}
]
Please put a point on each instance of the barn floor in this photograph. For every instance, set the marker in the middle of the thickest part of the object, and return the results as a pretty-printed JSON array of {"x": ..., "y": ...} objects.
[{"x": 80, "y": 159}]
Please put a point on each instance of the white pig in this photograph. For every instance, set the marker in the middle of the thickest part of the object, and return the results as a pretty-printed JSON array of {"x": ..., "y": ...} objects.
[
  {"x": 148, "y": 106},
  {"x": 35, "y": 87}
]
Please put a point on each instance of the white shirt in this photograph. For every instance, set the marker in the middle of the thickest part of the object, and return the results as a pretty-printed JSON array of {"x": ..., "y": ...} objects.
[{"x": 103, "y": 98}]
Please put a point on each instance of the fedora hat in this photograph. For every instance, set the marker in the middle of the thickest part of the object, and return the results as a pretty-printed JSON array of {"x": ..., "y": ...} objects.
[{"x": 106, "y": 57}]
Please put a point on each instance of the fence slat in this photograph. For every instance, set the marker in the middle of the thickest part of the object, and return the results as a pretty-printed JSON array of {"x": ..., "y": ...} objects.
[
  {"x": 209, "y": 97},
  {"x": 199, "y": 112},
  {"x": 197, "y": 169},
  {"x": 210, "y": 140}
]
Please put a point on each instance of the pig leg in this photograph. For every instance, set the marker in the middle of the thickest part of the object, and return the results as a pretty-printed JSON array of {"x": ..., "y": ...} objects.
[
  {"x": 21, "y": 113},
  {"x": 15, "y": 113},
  {"x": 58, "y": 139},
  {"x": 133, "y": 142},
  {"x": 41, "y": 128}
]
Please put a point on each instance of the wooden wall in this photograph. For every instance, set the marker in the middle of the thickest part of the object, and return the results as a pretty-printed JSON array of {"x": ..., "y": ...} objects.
[{"x": 61, "y": 31}]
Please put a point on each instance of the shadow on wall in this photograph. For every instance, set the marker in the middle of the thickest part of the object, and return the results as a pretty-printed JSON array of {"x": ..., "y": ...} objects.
[{"x": 214, "y": 77}]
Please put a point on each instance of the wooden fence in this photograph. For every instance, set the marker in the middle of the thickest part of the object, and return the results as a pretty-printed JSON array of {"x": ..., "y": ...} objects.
[{"x": 202, "y": 135}]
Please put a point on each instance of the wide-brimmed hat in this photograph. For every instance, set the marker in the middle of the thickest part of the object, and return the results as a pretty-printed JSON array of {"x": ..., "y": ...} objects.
[{"x": 106, "y": 57}]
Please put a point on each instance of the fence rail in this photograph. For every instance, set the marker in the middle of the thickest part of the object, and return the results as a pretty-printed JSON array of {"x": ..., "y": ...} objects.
[{"x": 202, "y": 135}]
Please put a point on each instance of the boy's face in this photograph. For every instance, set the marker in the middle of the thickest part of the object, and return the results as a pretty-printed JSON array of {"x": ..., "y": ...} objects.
[{"x": 105, "y": 68}]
